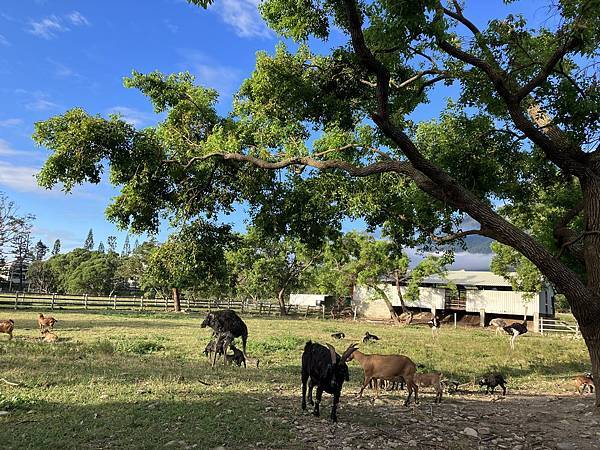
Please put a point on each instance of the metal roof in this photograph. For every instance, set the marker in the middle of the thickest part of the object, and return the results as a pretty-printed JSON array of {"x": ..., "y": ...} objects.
[{"x": 468, "y": 278}]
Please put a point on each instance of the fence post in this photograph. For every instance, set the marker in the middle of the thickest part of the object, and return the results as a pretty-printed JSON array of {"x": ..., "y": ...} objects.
[
  {"x": 16, "y": 299},
  {"x": 85, "y": 300},
  {"x": 536, "y": 322},
  {"x": 53, "y": 299},
  {"x": 115, "y": 301},
  {"x": 482, "y": 317},
  {"x": 323, "y": 308},
  {"x": 141, "y": 302},
  {"x": 454, "y": 320},
  {"x": 542, "y": 326}
]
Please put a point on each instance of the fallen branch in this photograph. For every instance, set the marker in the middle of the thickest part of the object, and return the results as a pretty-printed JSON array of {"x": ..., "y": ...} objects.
[{"x": 10, "y": 383}]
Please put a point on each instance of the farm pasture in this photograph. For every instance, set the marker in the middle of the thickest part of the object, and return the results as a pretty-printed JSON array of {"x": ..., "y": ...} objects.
[{"x": 140, "y": 380}]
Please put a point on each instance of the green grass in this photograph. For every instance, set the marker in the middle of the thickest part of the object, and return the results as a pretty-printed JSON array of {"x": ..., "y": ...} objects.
[{"x": 140, "y": 380}]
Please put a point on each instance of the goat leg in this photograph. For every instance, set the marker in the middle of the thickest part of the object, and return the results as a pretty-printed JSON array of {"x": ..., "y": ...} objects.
[
  {"x": 336, "y": 400},
  {"x": 366, "y": 383},
  {"x": 318, "y": 402},
  {"x": 310, "y": 392},
  {"x": 304, "y": 379}
]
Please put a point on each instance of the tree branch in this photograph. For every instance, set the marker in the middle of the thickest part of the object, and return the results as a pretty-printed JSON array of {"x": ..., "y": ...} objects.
[{"x": 454, "y": 236}]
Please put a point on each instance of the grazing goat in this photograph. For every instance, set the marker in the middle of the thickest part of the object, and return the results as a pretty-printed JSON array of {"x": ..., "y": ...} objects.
[
  {"x": 216, "y": 344},
  {"x": 584, "y": 381},
  {"x": 45, "y": 322},
  {"x": 237, "y": 357},
  {"x": 327, "y": 371},
  {"x": 49, "y": 336},
  {"x": 431, "y": 379},
  {"x": 7, "y": 326},
  {"x": 369, "y": 337},
  {"x": 490, "y": 381},
  {"x": 339, "y": 335},
  {"x": 387, "y": 367},
  {"x": 434, "y": 324},
  {"x": 516, "y": 329},
  {"x": 227, "y": 321},
  {"x": 498, "y": 325}
]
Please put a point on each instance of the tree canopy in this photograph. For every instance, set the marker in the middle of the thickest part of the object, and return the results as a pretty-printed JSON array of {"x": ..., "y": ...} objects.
[{"x": 516, "y": 149}]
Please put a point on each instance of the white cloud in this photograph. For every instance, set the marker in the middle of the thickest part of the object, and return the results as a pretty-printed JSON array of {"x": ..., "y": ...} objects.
[
  {"x": 10, "y": 122},
  {"x": 224, "y": 79},
  {"x": 47, "y": 28},
  {"x": 50, "y": 26},
  {"x": 36, "y": 100},
  {"x": 171, "y": 26},
  {"x": 243, "y": 16},
  {"x": 133, "y": 116},
  {"x": 78, "y": 19},
  {"x": 19, "y": 178},
  {"x": 4, "y": 41}
]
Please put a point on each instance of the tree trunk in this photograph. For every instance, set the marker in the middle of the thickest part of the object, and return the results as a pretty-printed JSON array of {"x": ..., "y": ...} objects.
[
  {"x": 405, "y": 310},
  {"x": 389, "y": 305},
  {"x": 281, "y": 301},
  {"x": 176, "y": 302},
  {"x": 591, "y": 335}
]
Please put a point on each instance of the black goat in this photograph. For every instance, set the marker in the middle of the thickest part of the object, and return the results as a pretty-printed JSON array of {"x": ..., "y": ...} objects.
[
  {"x": 516, "y": 329},
  {"x": 339, "y": 335},
  {"x": 227, "y": 321},
  {"x": 217, "y": 344},
  {"x": 327, "y": 371},
  {"x": 237, "y": 357},
  {"x": 490, "y": 381},
  {"x": 369, "y": 337}
]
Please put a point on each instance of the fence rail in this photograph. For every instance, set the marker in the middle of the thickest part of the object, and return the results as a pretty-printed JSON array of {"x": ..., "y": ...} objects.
[
  {"x": 550, "y": 325},
  {"x": 26, "y": 300}
]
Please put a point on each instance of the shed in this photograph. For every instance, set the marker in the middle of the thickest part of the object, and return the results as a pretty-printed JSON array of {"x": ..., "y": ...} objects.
[
  {"x": 476, "y": 292},
  {"x": 310, "y": 299}
]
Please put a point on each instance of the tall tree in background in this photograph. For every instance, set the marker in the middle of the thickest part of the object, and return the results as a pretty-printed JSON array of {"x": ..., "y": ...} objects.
[
  {"x": 89, "y": 241},
  {"x": 522, "y": 133},
  {"x": 101, "y": 247},
  {"x": 112, "y": 244},
  {"x": 126, "y": 247},
  {"x": 40, "y": 251},
  {"x": 136, "y": 245},
  {"x": 55, "y": 248},
  {"x": 21, "y": 252}
]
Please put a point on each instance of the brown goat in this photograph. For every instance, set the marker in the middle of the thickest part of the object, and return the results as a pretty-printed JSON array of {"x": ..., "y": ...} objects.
[
  {"x": 7, "y": 326},
  {"x": 387, "y": 367},
  {"x": 45, "y": 322},
  {"x": 49, "y": 336},
  {"x": 583, "y": 381},
  {"x": 431, "y": 379}
]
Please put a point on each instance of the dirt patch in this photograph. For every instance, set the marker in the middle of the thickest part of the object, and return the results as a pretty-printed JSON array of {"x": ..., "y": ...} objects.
[{"x": 517, "y": 422}]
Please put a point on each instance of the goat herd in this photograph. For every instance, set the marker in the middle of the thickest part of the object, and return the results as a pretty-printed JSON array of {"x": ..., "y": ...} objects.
[{"x": 324, "y": 368}]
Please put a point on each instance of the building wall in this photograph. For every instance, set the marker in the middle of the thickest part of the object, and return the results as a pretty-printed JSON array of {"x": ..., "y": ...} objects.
[
  {"x": 501, "y": 302},
  {"x": 492, "y": 301}
]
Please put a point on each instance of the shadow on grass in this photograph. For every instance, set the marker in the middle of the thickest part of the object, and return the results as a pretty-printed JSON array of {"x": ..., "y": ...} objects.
[{"x": 223, "y": 419}]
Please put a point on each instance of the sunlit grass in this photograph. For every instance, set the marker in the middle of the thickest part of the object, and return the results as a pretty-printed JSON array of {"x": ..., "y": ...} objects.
[{"x": 140, "y": 380}]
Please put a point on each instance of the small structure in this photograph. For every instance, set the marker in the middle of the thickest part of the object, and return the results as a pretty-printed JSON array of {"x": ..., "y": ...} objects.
[
  {"x": 475, "y": 293},
  {"x": 310, "y": 299}
]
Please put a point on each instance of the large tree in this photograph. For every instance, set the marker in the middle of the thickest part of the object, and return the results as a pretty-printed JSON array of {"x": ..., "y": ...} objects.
[{"x": 522, "y": 133}]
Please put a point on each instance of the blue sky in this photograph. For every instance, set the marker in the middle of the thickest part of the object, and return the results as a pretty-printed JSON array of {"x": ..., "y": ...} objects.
[{"x": 58, "y": 54}]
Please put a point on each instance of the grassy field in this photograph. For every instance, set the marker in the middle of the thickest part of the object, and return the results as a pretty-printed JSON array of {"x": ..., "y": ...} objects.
[{"x": 140, "y": 380}]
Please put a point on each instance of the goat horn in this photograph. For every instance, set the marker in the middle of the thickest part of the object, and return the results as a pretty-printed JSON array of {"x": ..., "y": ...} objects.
[
  {"x": 333, "y": 354},
  {"x": 351, "y": 348}
]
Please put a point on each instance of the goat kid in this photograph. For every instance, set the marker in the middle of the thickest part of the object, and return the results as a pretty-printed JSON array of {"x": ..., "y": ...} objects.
[
  {"x": 237, "y": 357},
  {"x": 387, "y": 367},
  {"x": 45, "y": 323},
  {"x": 7, "y": 326},
  {"x": 490, "y": 381},
  {"x": 339, "y": 335},
  {"x": 584, "y": 381},
  {"x": 369, "y": 337},
  {"x": 49, "y": 336},
  {"x": 431, "y": 379},
  {"x": 327, "y": 371}
]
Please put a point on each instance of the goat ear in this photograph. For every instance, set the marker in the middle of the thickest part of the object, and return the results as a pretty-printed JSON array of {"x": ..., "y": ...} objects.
[
  {"x": 351, "y": 349},
  {"x": 333, "y": 354}
]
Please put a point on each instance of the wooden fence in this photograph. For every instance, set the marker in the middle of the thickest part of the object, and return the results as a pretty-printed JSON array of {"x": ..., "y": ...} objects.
[{"x": 28, "y": 300}]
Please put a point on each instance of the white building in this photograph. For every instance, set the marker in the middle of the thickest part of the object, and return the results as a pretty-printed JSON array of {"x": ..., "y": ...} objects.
[
  {"x": 309, "y": 299},
  {"x": 478, "y": 292}
]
